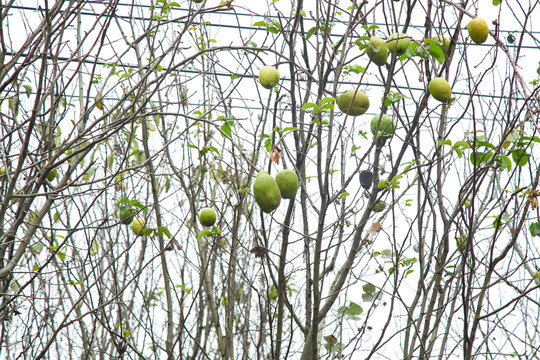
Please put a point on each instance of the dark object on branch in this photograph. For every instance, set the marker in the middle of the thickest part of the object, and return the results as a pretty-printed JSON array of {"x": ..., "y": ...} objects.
[{"x": 366, "y": 179}]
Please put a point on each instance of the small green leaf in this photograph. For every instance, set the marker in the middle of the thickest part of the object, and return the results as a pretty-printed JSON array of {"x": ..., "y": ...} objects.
[
  {"x": 310, "y": 32},
  {"x": 496, "y": 2},
  {"x": 203, "y": 233},
  {"x": 534, "y": 228},
  {"x": 444, "y": 142},
  {"x": 308, "y": 106},
  {"x": 369, "y": 288},
  {"x": 36, "y": 267},
  {"x": 520, "y": 157},
  {"x": 505, "y": 162},
  {"x": 351, "y": 311},
  {"x": 165, "y": 231},
  {"x": 94, "y": 249},
  {"x": 28, "y": 90},
  {"x": 462, "y": 144}
]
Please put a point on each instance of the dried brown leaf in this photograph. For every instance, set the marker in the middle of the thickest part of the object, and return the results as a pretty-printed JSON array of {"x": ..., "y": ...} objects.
[
  {"x": 374, "y": 229},
  {"x": 275, "y": 154}
]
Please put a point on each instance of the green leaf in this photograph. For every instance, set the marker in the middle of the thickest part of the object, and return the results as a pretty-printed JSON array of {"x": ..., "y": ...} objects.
[
  {"x": 260, "y": 23},
  {"x": 28, "y": 90},
  {"x": 369, "y": 288},
  {"x": 444, "y": 142},
  {"x": 436, "y": 52},
  {"x": 534, "y": 228},
  {"x": 308, "y": 106},
  {"x": 94, "y": 249},
  {"x": 368, "y": 297},
  {"x": 268, "y": 145},
  {"x": 505, "y": 162},
  {"x": 351, "y": 311},
  {"x": 479, "y": 157},
  {"x": 272, "y": 29},
  {"x": 386, "y": 253},
  {"x": 327, "y": 100},
  {"x": 496, "y": 2},
  {"x": 36, "y": 267},
  {"x": 462, "y": 144},
  {"x": 203, "y": 233},
  {"x": 165, "y": 231},
  {"x": 311, "y": 32},
  {"x": 344, "y": 195},
  {"x": 226, "y": 129},
  {"x": 520, "y": 157},
  {"x": 290, "y": 128}
]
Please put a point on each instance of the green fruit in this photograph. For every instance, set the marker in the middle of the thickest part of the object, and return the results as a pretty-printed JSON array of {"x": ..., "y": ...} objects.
[
  {"x": 386, "y": 125},
  {"x": 377, "y": 50},
  {"x": 353, "y": 102},
  {"x": 52, "y": 175},
  {"x": 268, "y": 77},
  {"x": 478, "y": 30},
  {"x": 126, "y": 214},
  {"x": 398, "y": 43},
  {"x": 138, "y": 226},
  {"x": 266, "y": 192},
  {"x": 2, "y": 172},
  {"x": 198, "y": 1},
  {"x": 287, "y": 181},
  {"x": 379, "y": 207},
  {"x": 207, "y": 217},
  {"x": 440, "y": 89}
]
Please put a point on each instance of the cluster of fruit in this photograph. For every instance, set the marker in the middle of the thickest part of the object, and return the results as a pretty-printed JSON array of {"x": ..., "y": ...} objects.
[{"x": 268, "y": 193}]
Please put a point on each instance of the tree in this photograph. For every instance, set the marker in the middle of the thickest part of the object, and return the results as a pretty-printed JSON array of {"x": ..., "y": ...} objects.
[{"x": 419, "y": 242}]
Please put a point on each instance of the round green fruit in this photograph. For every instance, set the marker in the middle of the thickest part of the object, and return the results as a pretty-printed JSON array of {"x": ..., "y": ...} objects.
[
  {"x": 379, "y": 207},
  {"x": 287, "y": 181},
  {"x": 138, "y": 226},
  {"x": 266, "y": 192},
  {"x": 2, "y": 171},
  {"x": 377, "y": 50},
  {"x": 353, "y": 102},
  {"x": 398, "y": 43},
  {"x": 126, "y": 214},
  {"x": 386, "y": 125},
  {"x": 440, "y": 89},
  {"x": 268, "y": 77},
  {"x": 52, "y": 175},
  {"x": 478, "y": 30},
  {"x": 207, "y": 217}
]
